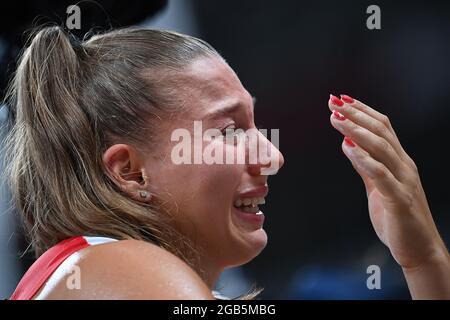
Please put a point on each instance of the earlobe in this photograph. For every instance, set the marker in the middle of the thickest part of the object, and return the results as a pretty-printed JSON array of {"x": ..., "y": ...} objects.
[
  {"x": 144, "y": 194},
  {"x": 137, "y": 186},
  {"x": 138, "y": 190},
  {"x": 124, "y": 168}
]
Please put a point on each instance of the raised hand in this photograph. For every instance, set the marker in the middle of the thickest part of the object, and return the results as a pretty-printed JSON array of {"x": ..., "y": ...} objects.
[{"x": 398, "y": 206}]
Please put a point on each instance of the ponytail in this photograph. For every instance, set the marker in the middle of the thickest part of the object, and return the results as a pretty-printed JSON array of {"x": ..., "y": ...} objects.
[
  {"x": 47, "y": 124},
  {"x": 69, "y": 101}
]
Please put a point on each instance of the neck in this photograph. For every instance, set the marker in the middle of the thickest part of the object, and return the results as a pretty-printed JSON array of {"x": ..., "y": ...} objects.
[{"x": 209, "y": 271}]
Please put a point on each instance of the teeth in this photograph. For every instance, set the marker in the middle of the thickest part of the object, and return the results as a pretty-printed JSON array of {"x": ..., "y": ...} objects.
[
  {"x": 249, "y": 202},
  {"x": 250, "y": 209}
]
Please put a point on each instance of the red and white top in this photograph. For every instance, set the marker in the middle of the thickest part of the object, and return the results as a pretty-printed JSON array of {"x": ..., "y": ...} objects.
[{"x": 47, "y": 264}]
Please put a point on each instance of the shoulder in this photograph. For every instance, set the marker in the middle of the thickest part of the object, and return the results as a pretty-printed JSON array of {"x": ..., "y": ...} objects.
[{"x": 127, "y": 269}]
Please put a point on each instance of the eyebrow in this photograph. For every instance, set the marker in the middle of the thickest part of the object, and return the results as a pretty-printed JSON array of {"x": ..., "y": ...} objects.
[{"x": 228, "y": 109}]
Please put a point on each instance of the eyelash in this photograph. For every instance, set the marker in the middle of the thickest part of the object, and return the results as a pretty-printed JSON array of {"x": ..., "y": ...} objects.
[{"x": 231, "y": 126}]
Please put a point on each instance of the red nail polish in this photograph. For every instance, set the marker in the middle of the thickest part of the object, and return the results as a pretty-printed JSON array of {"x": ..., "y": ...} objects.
[
  {"x": 336, "y": 101},
  {"x": 338, "y": 115},
  {"x": 347, "y": 99},
  {"x": 349, "y": 142}
]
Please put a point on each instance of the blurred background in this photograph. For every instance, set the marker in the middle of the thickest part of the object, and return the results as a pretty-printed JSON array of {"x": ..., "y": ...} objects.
[{"x": 291, "y": 55}]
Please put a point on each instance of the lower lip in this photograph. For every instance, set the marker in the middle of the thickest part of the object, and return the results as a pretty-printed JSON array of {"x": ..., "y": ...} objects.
[{"x": 252, "y": 218}]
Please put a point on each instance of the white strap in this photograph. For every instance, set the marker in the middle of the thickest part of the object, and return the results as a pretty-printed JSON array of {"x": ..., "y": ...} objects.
[{"x": 98, "y": 240}]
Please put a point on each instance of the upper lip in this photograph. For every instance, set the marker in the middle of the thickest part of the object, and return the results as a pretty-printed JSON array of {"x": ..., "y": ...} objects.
[{"x": 254, "y": 192}]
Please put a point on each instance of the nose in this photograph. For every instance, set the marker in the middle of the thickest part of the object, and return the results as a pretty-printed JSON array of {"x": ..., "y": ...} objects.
[{"x": 269, "y": 159}]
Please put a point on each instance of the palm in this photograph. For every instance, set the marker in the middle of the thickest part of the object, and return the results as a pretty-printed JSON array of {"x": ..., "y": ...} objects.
[
  {"x": 387, "y": 226},
  {"x": 388, "y": 221},
  {"x": 377, "y": 213}
]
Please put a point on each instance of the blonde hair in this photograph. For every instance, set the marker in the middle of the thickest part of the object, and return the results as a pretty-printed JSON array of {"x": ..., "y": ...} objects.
[{"x": 69, "y": 100}]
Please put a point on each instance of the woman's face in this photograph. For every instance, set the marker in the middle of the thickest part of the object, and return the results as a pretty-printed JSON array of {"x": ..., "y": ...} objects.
[{"x": 203, "y": 198}]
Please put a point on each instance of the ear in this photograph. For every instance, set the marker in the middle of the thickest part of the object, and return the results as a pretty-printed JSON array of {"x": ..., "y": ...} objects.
[{"x": 126, "y": 169}]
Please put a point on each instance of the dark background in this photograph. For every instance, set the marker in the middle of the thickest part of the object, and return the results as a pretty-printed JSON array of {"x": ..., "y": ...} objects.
[{"x": 291, "y": 55}]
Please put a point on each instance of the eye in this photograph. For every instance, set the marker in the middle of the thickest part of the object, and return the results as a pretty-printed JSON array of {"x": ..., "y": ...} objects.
[
  {"x": 232, "y": 134},
  {"x": 229, "y": 129}
]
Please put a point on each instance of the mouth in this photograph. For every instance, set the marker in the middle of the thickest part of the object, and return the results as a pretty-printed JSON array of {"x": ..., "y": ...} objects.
[{"x": 247, "y": 205}]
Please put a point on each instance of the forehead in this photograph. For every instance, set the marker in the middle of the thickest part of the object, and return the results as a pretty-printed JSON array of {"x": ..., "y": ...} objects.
[{"x": 208, "y": 81}]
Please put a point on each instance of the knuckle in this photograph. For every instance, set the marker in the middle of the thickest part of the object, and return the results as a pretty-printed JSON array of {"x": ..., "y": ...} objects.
[
  {"x": 351, "y": 111},
  {"x": 355, "y": 129},
  {"x": 413, "y": 165},
  {"x": 383, "y": 146},
  {"x": 406, "y": 198},
  {"x": 379, "y": 172},
  {"x": 413, "y": 181},
  {"x": 385, "y": 120},
  {"x": 409, "y": 163},
  {"x": 380, "y": 129},
  {"x": 408, "y": 177}
]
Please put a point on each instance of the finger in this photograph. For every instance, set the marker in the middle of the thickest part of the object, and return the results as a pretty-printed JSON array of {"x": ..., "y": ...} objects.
[
  {"x": 370, "y": 169},
  {"x": 369, "y": 122},
  {"x": 383, "y": 119},
  {"x": 376, "y": 146},
  {"x": 368, "y": 182},
  {"x": 371, "y": 112}
]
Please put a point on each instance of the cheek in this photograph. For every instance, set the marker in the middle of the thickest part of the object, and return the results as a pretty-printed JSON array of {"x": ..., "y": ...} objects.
[
  {"x": 202, "y": 194},
  {"x": 224, "y": 177},
  {"x": 199, "y": 195},
  {"x": 209, "y": 189},
  {"x": 215, "y": 186}
]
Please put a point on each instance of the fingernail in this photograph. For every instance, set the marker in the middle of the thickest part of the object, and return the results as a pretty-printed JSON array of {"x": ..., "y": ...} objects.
[
  {"x": 349, "y": 142},
  {"x": 338, "y": 115},
  {"x": 336, "y": 101},
  {"x": 347, "y": 99}
]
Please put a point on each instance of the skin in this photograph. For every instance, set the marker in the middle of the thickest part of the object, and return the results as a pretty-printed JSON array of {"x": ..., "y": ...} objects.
[
  {"x": 397, "y": 203},
  {"x": 203, "y": 211},
  {"x": 105, "y": 274},
  {"x": 398, "y": 206}
]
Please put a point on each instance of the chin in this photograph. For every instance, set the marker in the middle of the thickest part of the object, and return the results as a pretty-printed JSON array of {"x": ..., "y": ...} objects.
[
  {"x": 253, "y": 244},
  {"x": 259, "y": 240}
]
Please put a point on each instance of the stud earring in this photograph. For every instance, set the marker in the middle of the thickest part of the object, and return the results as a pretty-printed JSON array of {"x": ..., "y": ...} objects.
[{"x": 143, "y": 193}]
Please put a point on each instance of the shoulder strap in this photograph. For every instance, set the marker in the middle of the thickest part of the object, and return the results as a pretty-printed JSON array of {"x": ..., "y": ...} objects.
[{"x": 46, "y": 264}]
